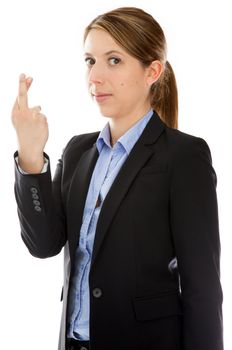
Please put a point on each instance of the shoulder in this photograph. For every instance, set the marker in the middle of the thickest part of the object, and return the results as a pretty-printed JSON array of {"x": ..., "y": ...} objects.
[
  {"x": 189, "y": 157},
  {"x": 190, "y": 163},
  {"x": 186, "y": 146}
]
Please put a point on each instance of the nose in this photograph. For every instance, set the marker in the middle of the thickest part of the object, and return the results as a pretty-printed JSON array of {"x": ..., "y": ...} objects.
[{"x": 96, "y": 74}]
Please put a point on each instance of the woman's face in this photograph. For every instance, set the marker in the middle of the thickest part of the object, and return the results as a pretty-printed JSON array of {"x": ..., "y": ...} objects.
[{"x": 117, "y": 81}]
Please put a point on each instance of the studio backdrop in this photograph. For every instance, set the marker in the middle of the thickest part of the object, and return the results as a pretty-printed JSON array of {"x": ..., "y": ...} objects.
[{"x": 44, "y": 39}]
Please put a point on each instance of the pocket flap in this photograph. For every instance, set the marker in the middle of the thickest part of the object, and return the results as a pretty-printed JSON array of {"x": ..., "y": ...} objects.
[{"x": 148, "y": 308}]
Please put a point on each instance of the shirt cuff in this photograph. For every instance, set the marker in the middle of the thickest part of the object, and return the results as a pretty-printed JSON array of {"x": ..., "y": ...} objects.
[{"x": 44, "y": 170}]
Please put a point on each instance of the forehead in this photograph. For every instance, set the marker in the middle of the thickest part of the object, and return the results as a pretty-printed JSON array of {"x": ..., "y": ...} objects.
[{"x": 98, "y": 42}]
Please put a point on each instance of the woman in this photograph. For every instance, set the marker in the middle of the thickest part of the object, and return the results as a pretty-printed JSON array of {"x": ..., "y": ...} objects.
[{"x": 134, "y": 206}]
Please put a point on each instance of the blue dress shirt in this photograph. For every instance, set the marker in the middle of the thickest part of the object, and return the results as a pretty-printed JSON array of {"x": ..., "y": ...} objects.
[{"x": 109, "y": 163}]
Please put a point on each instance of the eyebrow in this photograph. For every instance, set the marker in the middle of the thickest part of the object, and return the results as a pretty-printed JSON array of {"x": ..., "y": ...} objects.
[{"x": 105, "y": 54}]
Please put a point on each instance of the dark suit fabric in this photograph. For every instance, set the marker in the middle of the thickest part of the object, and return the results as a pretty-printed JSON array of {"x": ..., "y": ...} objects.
[{"x": 156, "y": 250}]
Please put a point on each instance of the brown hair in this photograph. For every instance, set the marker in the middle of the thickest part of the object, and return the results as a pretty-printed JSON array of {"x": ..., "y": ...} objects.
[{"x": 143, "y": 38}]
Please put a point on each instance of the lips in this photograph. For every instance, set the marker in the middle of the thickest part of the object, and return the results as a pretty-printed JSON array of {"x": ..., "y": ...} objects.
[{"x": 101, "y": 96}]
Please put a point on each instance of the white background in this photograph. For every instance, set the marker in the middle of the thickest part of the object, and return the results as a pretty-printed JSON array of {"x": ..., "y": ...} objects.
[{"x": 43, "y": 39}]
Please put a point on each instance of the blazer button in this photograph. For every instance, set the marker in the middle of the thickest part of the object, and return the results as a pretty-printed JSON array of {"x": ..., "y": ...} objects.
[
  {"x": 97, "y": 293},
  {"x": 37, "y": 208},
  {"x": 35, "y": 196},
  {"x": 36, "y": 202},
  {"x": 34, "y": 190}
]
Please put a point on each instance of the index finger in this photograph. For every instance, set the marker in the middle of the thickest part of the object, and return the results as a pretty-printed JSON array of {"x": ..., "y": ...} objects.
[{"x": 22, "y": 95}]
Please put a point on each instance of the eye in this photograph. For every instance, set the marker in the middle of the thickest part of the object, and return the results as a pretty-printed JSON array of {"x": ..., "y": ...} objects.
[
  {"x": 114, "y": 60},
  {"x": 89, "y": 61}
]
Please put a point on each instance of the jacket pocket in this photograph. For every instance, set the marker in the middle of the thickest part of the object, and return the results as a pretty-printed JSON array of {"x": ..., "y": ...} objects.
[{"x": 156, "y": 307}]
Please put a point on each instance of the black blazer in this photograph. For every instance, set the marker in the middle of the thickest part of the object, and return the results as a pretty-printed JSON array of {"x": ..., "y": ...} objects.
[{"x": 154, "y": 278}]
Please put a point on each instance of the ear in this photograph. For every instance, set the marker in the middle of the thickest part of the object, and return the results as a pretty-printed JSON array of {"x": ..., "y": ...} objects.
[{"x": 154, "y": 71}]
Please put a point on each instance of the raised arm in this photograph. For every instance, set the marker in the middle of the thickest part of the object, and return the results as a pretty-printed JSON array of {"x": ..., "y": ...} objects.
[{"x": 40, "y": 207}]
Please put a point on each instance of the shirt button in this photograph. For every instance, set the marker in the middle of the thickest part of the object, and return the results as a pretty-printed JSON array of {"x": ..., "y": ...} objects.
[
  {"x": 97, "y": 293},
  {"x": 34, "y": 190},
  {"x": 36, "y": 202}
]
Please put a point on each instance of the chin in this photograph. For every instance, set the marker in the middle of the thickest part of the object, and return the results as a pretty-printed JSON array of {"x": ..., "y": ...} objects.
[{"x": 108, "y": 113}]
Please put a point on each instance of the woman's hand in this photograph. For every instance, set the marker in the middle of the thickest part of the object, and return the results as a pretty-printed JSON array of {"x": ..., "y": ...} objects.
[{"x": 31, "y": 128}]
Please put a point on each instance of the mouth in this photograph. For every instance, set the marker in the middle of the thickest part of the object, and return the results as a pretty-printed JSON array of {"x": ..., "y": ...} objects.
[{"x": 101, "y": 96}]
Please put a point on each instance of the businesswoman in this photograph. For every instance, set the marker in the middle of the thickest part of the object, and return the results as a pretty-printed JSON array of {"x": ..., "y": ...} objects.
[{"x": 134, "y": 205}]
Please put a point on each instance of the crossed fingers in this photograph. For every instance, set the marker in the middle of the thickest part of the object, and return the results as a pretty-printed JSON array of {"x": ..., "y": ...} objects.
[{"x": 21, "y": 102}]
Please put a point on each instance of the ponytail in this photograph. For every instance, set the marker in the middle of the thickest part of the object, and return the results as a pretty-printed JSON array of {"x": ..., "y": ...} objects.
[{"x": 164, "y": 97}]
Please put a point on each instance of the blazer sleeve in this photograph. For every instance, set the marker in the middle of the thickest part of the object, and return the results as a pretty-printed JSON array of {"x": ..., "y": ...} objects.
[
  {"x": 195, "y": 229},
  {"x": 40, "y": 210}
]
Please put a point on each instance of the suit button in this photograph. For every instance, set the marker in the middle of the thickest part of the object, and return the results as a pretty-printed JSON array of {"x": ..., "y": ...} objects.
[
  {"x": 37, "y": 208},
  {"x": 35, "y": 196},
  {"x": 97, "y": 293},
  {"x": 36, "y": 202},
  {"x": 34, "y": 190}
]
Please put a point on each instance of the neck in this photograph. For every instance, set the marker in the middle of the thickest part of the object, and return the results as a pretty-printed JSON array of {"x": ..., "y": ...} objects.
[{"x": 119, "y": 126}]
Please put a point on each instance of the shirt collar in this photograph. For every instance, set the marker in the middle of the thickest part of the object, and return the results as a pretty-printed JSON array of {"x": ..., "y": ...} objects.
[{"x": 128, "y": 139}]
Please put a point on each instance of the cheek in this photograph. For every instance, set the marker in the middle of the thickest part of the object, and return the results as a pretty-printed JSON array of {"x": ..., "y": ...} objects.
[{"x": 130, "y": 84}]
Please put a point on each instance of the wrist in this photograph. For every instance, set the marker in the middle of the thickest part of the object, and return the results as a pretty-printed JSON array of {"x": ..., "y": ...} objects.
[{"x": 32, "y": 164}]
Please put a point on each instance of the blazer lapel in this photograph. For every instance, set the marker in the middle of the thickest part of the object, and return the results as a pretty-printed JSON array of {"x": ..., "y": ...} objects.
[
  {"x": 136, "y": 159},
  {"x": 77, "y": 195}
]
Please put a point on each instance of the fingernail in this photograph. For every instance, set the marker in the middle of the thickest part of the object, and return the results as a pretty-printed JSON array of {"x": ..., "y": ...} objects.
[{"x": 22, "y": 76}]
